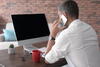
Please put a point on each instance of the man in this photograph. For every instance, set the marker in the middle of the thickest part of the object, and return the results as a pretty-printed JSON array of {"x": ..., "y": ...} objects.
[{"x": 76, "y": 41}]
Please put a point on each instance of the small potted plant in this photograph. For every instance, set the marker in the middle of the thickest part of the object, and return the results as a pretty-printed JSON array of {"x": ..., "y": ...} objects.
[{"x": 11, "y": 49}]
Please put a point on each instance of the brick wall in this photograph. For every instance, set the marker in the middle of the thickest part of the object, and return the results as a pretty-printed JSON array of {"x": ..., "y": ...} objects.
[
  {"x": 8, "y": 7},
  {"x": 89, "y": 10}
]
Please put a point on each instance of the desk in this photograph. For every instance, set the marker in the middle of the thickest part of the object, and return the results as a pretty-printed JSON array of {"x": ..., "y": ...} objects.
[
  {"x": 16, "y": 60},
  {"x": 5, "y": 45}
]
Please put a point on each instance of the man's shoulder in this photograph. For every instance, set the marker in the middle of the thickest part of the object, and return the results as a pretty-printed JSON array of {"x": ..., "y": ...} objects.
[
  {"x": 84, "y": 23},
  {"x": 81, "y": 25}
]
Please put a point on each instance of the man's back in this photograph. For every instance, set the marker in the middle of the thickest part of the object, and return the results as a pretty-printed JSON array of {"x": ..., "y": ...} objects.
[{"x": 84, "y": 49}]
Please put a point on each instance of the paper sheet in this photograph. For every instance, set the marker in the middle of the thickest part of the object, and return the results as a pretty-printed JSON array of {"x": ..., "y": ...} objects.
[{"x": 43, "y": 49}]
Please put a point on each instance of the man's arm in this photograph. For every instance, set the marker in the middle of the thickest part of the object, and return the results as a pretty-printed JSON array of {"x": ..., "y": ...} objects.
[
  {"x": 49, "y": 45},
  {"x": 53, "y": 34}
]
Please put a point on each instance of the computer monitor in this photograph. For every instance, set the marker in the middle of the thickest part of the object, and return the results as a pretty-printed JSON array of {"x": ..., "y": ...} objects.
[{"x": 30, "y": 28}]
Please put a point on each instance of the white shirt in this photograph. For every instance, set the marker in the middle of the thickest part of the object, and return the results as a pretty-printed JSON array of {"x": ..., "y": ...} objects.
[{"x": 78, "y": 44}]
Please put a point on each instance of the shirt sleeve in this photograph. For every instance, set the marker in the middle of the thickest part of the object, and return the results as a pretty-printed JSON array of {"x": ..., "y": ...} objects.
[{"x": 59, "y": 50}]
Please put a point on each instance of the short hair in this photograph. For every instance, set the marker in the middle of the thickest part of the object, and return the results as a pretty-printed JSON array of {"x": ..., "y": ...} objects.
[{"x": 70, "y": 7}]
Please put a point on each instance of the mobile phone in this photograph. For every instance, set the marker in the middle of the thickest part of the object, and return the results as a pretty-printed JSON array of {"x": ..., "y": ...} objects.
[{"x": 63, "y": 21}]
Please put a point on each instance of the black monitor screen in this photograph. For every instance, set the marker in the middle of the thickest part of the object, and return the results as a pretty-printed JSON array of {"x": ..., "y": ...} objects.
[{"x": 29, "y": 26}]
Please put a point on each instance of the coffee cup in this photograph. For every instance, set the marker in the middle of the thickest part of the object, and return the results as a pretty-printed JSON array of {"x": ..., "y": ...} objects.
[{"x": 36, "y": 56}]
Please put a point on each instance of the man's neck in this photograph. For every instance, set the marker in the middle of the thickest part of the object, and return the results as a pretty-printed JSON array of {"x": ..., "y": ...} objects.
[{"x": 70, "y": 20}]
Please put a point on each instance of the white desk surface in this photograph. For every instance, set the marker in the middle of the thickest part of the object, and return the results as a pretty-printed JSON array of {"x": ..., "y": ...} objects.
[{"x": 5, "y": 45}]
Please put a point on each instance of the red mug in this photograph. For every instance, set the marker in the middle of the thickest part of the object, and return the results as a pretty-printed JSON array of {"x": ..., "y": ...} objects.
[{"x": 36, "y": 55}]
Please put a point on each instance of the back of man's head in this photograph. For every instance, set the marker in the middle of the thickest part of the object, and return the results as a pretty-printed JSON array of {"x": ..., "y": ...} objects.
[{"x": 70, "y": 7}]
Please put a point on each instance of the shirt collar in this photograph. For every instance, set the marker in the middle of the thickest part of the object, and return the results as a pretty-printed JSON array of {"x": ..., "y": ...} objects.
[{"x": 73, "y": 22}]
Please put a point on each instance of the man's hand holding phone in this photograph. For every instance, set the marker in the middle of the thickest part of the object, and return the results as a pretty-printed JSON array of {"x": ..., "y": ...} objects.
[{"x": 55, "y": 28}]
